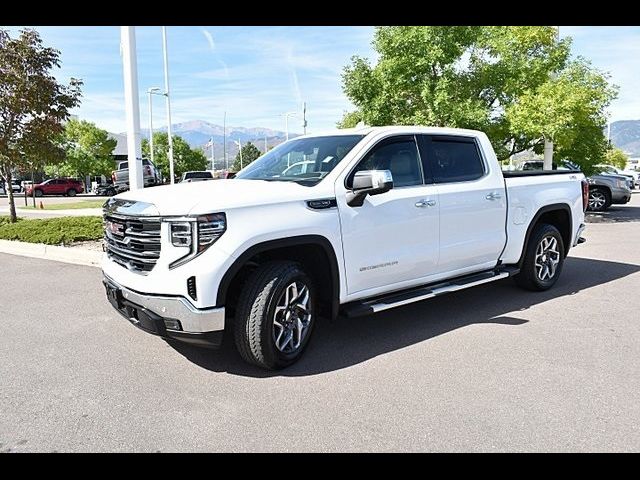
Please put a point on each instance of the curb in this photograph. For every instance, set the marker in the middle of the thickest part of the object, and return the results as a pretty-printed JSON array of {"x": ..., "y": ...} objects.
[{"x": 77, "y": 256}]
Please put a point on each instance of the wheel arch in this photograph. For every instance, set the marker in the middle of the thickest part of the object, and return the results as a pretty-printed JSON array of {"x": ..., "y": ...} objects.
[
  {"x": 300, "y": 248},
  {"x": 558, "y": 215}
]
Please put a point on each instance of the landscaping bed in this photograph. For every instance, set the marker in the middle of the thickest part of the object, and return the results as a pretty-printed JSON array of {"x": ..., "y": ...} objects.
[{"x": 52, "y": 231}]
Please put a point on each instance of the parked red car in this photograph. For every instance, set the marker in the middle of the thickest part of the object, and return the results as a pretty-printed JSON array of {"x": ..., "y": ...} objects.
[{"x": 57, "y": 186}]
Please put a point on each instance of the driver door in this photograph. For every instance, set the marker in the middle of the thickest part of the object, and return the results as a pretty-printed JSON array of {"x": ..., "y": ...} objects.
[{"x": 393, "y": 238}]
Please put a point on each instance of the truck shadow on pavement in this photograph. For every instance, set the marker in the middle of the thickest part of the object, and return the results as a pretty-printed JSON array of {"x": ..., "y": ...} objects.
[
  {"x": 615, "y": 214},
  {"x": 347, "y": 342}
]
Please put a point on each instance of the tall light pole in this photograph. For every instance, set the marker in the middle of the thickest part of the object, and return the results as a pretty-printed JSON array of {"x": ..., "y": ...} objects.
[
  {"x": 239, "y": 143},
  {"x": 151, "y": 91},
  {"x": 224, "y": 142},
  {"x": 166, "y": 92},
  {"x": 548, "y": 143},
  {"x": 286, "y": 123},
  {"x": 213, "y": 157},
  {"x": 132, "y": 107}
]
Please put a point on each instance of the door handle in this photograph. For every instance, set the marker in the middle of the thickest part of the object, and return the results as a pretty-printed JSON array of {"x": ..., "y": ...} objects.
[
  {"x": 494, "y": 196},
  {"x": 426, "y": 203}
]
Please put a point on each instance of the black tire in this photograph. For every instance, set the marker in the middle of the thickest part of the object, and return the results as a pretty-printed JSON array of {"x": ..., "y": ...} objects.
[
  {"x": 254, "y": 329},
  {"x": 71, "y": 192},
  {"x": 110, "y": 192},
  {"x": 529, "y": 277},
  {"x": 596, "y": 198},
  {"x": 39, "y": 193}
]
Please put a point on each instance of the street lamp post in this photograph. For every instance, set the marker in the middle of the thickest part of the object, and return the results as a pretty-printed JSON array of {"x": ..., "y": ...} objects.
[
  {"x": 286, "y": 123},
  {"x": 151, "y": 91},
  {"x": 166, "y": 92}
]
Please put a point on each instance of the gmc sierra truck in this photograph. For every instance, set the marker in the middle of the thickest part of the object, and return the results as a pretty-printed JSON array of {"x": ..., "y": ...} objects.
[{"x": 379, "y": 218}]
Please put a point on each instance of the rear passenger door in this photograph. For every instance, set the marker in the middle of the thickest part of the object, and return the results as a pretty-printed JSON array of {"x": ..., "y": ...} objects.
[{"x": 472, "y": 203}]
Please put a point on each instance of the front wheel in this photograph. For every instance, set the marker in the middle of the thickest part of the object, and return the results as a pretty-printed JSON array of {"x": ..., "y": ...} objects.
[
  {"x": 275, "y": 315},
  {"x": 39, "y": 193},
  {"x": 543, "y": 259},
  {"x": 71, "y": 192}
]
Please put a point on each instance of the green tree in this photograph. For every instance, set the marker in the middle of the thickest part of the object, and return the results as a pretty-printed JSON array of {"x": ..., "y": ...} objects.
[
  {"x": 249, "y": 153},
  {"x": 616, "y": 157},
  {"x": 88, "y": 151},
  {"x": 33, "y": 105},
  {"x": 471, "y": 77},
  {"x": 568, "y": 109},
  {"x": 185, "y": 158}
]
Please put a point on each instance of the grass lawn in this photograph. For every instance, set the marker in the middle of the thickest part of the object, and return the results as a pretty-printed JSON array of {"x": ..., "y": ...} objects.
[
  {"x": 52, "y": 231},
  {"x": 66, "y": 206}
]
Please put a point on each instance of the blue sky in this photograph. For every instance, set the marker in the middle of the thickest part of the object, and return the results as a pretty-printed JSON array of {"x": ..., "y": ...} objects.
[{"x": 258, "y": 73}]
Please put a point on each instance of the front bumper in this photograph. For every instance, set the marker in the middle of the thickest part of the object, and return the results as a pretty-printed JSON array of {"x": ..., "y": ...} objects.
[
  {"x": 167, "y": 316},
  {"x": 620, "y": 196}
]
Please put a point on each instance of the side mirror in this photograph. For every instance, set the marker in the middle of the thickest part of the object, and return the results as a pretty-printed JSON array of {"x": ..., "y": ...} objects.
[{"x": 369, "y": 182}]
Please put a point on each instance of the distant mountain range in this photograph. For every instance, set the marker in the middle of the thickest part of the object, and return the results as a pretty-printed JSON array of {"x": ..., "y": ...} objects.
[
  {"x": 625, "y": 134},
  {"x": 198, "y": 133}
]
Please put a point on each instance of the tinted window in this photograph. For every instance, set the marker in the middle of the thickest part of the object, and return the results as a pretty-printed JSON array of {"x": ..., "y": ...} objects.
[
  {"x": 124, "y": 165},
  {"x": 400, "y": 156},
  {"x": 455, "y": 161}
]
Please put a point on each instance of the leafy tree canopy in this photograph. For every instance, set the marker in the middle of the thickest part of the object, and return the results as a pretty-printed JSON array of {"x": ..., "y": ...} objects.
[
  {"x": 185, "y": 158},
  {"x": 88, "y": 151},
  {"x": 515, "y": 83},
  {"x": 616, "y": 157},
  {"x": 33, "y": 105}
]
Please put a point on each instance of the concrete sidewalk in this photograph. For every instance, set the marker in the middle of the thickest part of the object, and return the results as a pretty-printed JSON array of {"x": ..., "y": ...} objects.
[
  {"x": 30, "y": 213},
  {"x": 84, "y": 253}
]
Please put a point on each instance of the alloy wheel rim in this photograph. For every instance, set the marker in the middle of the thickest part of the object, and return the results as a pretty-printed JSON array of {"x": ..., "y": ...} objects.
[
  {"x": 547, "y": 258},
  {"x": 597, "y": 199},
  {"x": 292, "y": 318}
]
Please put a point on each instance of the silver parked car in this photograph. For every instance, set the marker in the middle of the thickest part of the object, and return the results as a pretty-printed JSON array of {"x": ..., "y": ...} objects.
[{"x": 605, "y": 190}]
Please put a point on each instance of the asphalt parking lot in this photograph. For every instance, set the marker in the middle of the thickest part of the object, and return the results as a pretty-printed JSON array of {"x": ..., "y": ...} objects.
[{"x": 493, "y": 368}]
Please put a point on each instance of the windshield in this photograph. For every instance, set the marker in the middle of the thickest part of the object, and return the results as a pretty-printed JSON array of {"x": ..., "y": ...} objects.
[{"x": 304, "y": 160}]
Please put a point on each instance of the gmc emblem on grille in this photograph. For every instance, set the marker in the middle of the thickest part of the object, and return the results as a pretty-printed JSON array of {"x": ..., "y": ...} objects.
[{"x": 115, "y": 228}]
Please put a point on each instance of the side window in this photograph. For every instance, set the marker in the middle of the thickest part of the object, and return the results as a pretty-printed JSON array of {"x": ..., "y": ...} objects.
[
  {"x": 399, "y": 155},
  {"x": 124, "y": 165},
  {"x": 455, "y": 160}
]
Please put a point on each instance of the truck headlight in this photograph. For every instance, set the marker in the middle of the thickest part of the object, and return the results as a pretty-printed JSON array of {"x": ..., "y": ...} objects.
[
  {"x": 621, "y": 183},
  {"x": 195, "y": 233}
]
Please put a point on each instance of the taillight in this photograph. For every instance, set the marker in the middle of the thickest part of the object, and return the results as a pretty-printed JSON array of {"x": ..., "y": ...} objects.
[
  {"x": 147, "y": 169},
  {"x": 585, "y": 195},
  {"x": 113, "y": 177}
]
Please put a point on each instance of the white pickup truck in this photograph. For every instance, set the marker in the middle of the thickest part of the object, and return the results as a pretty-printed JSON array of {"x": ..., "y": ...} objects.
[{"x": 384, "y": 217}]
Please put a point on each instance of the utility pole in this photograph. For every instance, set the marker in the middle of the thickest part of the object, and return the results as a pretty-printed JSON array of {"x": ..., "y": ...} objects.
[
  {"x": 304, "y": 117},
  {"x": 166, "y": 92},
  {"x": 132, "y": 107}
]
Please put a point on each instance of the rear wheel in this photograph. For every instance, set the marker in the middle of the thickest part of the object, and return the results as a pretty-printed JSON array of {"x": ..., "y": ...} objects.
[
  {"x": 543, "y": 259},
  {"x": 275, "y": 315},
  {"x": 599, "y": 199}
]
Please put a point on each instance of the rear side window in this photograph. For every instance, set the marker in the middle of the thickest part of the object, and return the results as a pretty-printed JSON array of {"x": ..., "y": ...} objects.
[
  {"x": 124, "y": 165},
  {"x": 455, "y": 160}
]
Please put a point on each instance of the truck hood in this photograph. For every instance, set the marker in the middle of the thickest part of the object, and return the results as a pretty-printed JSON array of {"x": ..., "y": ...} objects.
[{"x": 217, "y": 195}]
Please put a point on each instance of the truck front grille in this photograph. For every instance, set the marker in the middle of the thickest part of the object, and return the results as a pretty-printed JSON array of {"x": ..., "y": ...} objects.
[{"x": 132, "y": 241}]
